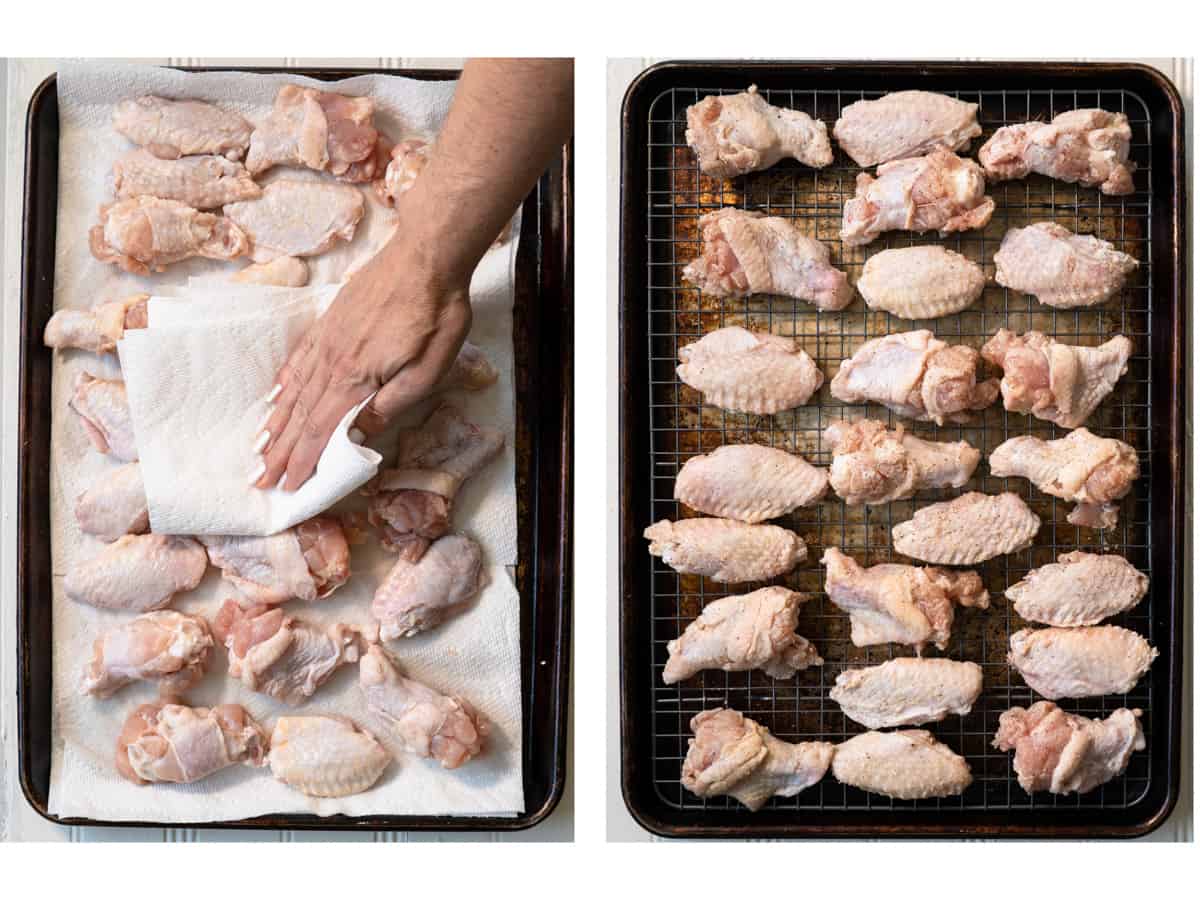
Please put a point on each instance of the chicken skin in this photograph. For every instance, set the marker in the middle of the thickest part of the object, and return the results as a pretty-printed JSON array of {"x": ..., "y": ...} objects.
[
  {"x": 920, "y": 282},
  {"x": 748, "y": 253},
  {"x": 97, "y": 329},
  {"x": 917, "y": 376},
  {"x": 280, "y": 656},
  {"x": 733, "y": 755},
  {"x": 1064, "y": 753},
  {"x": 874, "y": 464},
  {"x": 168, "y": 647},
  {"x": 411, "y": 503},
  {"x": 905, "y": 765},
  {"x": 428, "y": 723},
  {"x": 407, "y": 162},
  {"x": 306, "y": 562},
  {"x": 749, "y": 483},
  {"x": 939, "y": 192},
  {"x": 282, "y": 271},
  {"x": 1080, "y": 589},
  {"x": 114, "y": 506},
  {"x": 203, "y": 182},
  {"x": 1084, "y": 146},
  {"x": 103, "y": 410},
  {"x": 749, "y": 371},
  {"x": 137, "y": 573},
  {"x": 1060, "y": 383},
  {"x": 325, "y": 756},
  {"x": 1080, "y": 662},
  {"x": 908, "y": 691},
  {"x": 1062, "y": 269},
  {"x": 297, "y": 218},
  {"x": 738, "y": 634},
  {"x": 168, "y": 742},
  {"x": 899, "y": 604},
  {"x": 738, "y": 133},
  {"x": 904, "y": 124},
  {"x": 415, "y": 597},
  {"x": 170, "y": 129},
  {"x": 147, "y": 234},
  {"x": 969, "y": 529},
  {"x": 724, "y": 550},
  {"x": 1092, "y": 471}
]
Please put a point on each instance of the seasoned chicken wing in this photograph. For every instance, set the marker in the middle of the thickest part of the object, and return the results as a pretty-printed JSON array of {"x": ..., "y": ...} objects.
[
  {"x": 146, "y": 233},
  {"x": 1062, "y": 269},
  {"x": 875, "y": 464},
  {"x": 737, "y": 634},
  {"x": 137, "y": 573},
  {"x": 733, "y": 755},
  {"x": 1065, "y": 753},
  {"x": 915, "y": 375},
  {"x": 908, "y": 691},
  {"x": 969, "y": 529},
  {"x": 415, "y": 597},
  {"x": 179, "y": 744},
  {"x": 739, "y": 133},
  {"x": 297, "y": 218},
  {"x": 115, "y": 505},
  {"x": 1060, "y": 383},
  {"x": 318, "y": 130},
  {"x": 1080, "y": 662},
  {"x": 204, "y": 182},
  {"x": 1083, "y": 146},
  {"x": 173, "y": 128},
  {"x": 97, "y": 329},
  {"x": 892, "y": 603},
  {"x": 749, "y": 482},
  {"x": 1094, "y": 472},
  {"x": 749, "y": 371},
  {"x": 748, "y": 253},
  {"x": 282, "y": 271},
  {"x": 168, "y": 647},
  {"x": 1080, "y": 589},
  {"x": 724, "y": 550},
  {"x": 920, "y": 282},
  {"x": 906, "y": 765},
  {"x": 103, "y": 410},
  {"x": 904, "y": 124},
  {"x": 325, "y": 756}
]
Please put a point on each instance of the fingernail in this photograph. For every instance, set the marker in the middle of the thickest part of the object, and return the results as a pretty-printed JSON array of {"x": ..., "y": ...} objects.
[
  {"x": 265, "y": 419},
  {"x": 275, "y": 392},
  {"x": 257, "y": 473},
  {"x": 356, "y": 435},
  {"x": 261, "y": 441}
]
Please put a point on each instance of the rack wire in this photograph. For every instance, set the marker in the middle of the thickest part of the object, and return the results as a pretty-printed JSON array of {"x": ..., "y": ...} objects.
[{"x": 681, "y": 426}]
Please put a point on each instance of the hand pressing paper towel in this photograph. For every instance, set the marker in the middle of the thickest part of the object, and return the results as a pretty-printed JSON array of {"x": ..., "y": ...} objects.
[{"x": 197, "y": 378}]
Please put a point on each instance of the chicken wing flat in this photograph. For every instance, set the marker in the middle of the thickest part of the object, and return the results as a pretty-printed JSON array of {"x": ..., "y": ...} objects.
[
  {"x": 115, "y": 505},
  {"x": 168, "y": 647},
  {"x": 298, "y": 218},
  {"x": 749, "y": 253},
  {"x": 103, "y": 409},
  {"x": 280, "y": 656},
  {"x": 1083, "y": 146},
  {"x": 325, "y": 756},
  {"x": 306, "y": 562},
  {"x": 739, "y": 133},
  {"x": 906, "y": 765},
  {"x": 915, "y": 375},
  {"x": 904, "y": 124},
  {"x": 137, "y": 573},
  {"x": 97, "y": 329},
  {"x": 282, "y": 271},
  {"x": 724, "y": 550},
  {"x": 1080, "y": 662},
  {"x": 1092, "y": 471},
  {"x": 179, "y": 744},
  {"x": 892, "y": 603},
  {"x": 939, "y": 192},
  {"x": 1062, "y": 269},
  {"x": 908, "y": 691},
  {"x": 173, "y": 128},
  {"x": 874, "y": 464},
  {"x": 749, "y": 483},
  {"x": 1065, "y": 753},
  {"x": 204, "y": 182},
  {"x": 733, "y": 755},
  {"x": 1060, "y": 383},
  {"x": 148, "y": 234},
  {"x": 749, "y": 371},
  {"x": 415, "y": 597},
  {"x": 428, "y": 723},
  {"x": 920, "y": 282},
  {"x": 967, "y": 530},
  {"x": 318, "y": 130},
  {"x": 411, "y": 503},
  {"x": 1080, "y": 589},
  {"x": 738, "y": 634}
]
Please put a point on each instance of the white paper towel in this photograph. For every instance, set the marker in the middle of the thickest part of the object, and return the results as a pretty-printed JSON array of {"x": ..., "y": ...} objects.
[{"x": 476, "y": 655}]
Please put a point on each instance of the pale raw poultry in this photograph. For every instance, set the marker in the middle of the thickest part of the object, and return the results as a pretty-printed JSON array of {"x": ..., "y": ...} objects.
[
  {"x": 1062, "y": 269},
  {"x": 1080, "y": 589},
  {"x": 749, "y": 371},
  {"x": 115, "y": 505},
  {"x": 103, "y": 409},
  {"x": 325, "y": 756},
  {"x": 168, "y": 742},
  {"x": 905, "y": 765},
  {"x": 749, "y": 483},
  {"x": 147, "y": 234},
  {"x": 167, "y": 647},
  {"x": 97, "y": 329},
  {"x": 920, "y": 282},
  {"x": 724, "y": 550},
  {"x": 969, "y": 529},
  {"x": 173, "y": 128},
  {"x": 1080, "y": 662},
  {"x": 137, "y": 573},
  {"x": 908, "y": 691},
  {"x": 903, "y": 124},
  {"x": 297, "y": 218},
  {"x": 203, "y": 182},
  {"x": 417, "y": 596}
]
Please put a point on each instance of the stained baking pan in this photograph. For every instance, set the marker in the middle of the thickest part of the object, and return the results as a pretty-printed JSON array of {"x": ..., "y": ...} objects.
[
  {"x": 663, "y": 423},
  {"x": 542, "y": 334}
]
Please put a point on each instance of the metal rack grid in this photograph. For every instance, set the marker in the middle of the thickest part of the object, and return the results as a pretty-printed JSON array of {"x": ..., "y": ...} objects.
[{"x": 682, "y": 426}]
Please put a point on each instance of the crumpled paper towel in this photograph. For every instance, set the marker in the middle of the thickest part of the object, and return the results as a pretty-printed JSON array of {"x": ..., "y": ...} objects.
[{"x": 476, "y": 655}]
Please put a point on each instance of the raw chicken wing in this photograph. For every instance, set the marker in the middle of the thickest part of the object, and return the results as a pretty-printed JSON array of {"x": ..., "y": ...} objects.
[
  {"x": 415, "y": 597},
  {"x": 317, "y": 130},
  {"x": 298, "y": 218},
  {"x": 179, "y": 744},
  {"x": 325, "y": 756},
  {"x": 168, "y": 647},
  {"x": 408, "y": 160},
  {"x": 282, "y": 271},
  {"x": 103, "y": 408},
  {"x": 749, "y": 482},
  {"x": 470, "y": 371},
  {"x": 724, "y": 550},
  {"x": 173, "y": 128},
  {"x": 1062, "y": 269},
  {"x": 114, "y": 506},
  {"x": 904, "y": 124},
  {"x": 908, "y": 691},
  {"x": 1080, "y": 662},
  {"x": 147, "y": 233},
  {"x": 97, "y": 329},
  {"x": 906, "y": 765},
  {"x": 137, "y": 573},
  {"x": 874, "y": 464},
  {"x": 749, "y": 371},
  {"x": 969, "y": 529},
  {"x": 1080, "y": 589},
  {"x": 204, "y": 182},
  {"x": 920, "y": 282}
]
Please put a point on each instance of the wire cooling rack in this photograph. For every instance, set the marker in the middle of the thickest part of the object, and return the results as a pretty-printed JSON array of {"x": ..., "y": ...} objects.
[{"x": 681, "y": 426}]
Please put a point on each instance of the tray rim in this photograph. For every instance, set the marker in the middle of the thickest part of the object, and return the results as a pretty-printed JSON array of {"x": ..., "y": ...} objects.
[
  {"x": 560, "y": 582},
  {"x": 892, "y": 826}
]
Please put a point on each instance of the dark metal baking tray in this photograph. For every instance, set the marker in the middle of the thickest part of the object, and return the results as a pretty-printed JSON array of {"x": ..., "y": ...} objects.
[
  {"x": 542, "y": 332},
  {"x": 664, "y": 422}
]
